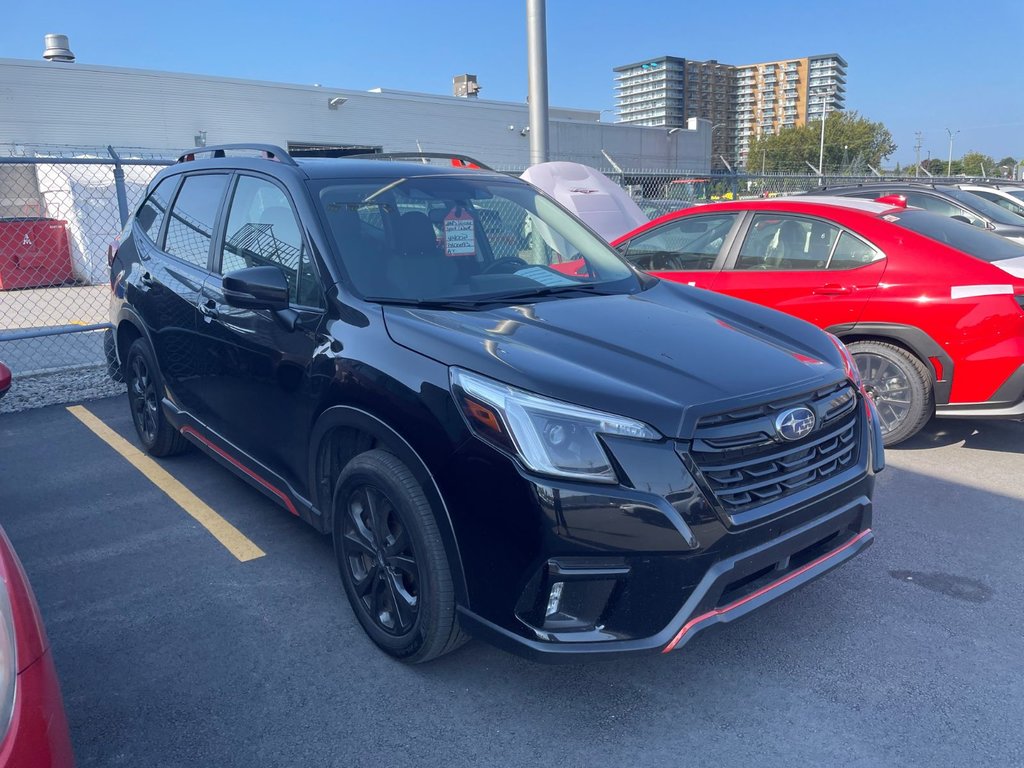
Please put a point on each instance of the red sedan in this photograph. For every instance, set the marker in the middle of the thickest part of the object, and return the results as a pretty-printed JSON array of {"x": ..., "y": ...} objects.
[
  {"x": 33, "y": 728},
  {"x": 931, "y": 308},
  {"x": 5, "y": 379}
]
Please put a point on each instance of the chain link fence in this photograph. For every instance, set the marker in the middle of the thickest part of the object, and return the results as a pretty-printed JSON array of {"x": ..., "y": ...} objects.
[
  {"x": 61, "y": 208},
  {"x": 59, "y": 212}
]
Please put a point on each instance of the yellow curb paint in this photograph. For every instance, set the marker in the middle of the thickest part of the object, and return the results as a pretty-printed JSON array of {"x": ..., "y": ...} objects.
[{"x": 233, "y": 540}]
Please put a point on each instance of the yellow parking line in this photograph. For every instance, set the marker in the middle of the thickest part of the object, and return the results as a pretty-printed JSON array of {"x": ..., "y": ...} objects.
[{"x": 223, "y": 531}]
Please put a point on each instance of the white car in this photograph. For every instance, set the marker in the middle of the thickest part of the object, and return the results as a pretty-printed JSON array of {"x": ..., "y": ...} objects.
[{"x": 1010, "y": 197}]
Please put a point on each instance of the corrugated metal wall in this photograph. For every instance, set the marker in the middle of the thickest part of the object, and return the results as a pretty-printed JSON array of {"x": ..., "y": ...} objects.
[{"x": 85, "y": 105}]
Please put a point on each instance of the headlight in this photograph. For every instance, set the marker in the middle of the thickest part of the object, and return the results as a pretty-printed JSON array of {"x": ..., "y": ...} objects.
[
  {"x": 849, "y": 364},
  {"x": 8, "y": 661},
  {"x": 548, "y": 436}
]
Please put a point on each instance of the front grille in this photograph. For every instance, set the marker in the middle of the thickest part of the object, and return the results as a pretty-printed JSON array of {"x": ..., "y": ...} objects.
[{"x": 745, "y": 464}]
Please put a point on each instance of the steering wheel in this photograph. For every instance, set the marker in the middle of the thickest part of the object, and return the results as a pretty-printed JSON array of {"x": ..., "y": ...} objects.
[{"x": 505, "y": 261}]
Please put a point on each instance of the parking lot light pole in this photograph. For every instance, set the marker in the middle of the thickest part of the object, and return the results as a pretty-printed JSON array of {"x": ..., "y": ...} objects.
[
  {"x": 949, "y": 164},
  {"x": 537, "y": 65}
]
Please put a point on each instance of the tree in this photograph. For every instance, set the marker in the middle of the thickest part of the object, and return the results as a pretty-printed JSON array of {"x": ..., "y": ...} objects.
[
  {"x": 977, "y": 164},
  {"x": 864, "y": 141}
]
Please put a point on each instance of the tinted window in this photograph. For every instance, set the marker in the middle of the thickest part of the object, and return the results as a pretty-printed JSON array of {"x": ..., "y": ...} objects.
[
  {"x": 852, "y": 252},
  {"x": 151, "y": 214},
  {"x": 263, "y": 230},
  {"x": 780, "y": 242},
  {"x": 939, "y": 206},
  {"x": 687, "y": 243},
  {"x": 190, "y": 229},
  {"x": 1002, "y": 202},
  {"x": 978, "y": 243},
  {"x": 985, "y": 207}
]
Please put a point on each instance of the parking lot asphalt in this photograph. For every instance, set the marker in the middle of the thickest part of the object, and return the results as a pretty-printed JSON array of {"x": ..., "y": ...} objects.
[{"x": 174, "y": 652}]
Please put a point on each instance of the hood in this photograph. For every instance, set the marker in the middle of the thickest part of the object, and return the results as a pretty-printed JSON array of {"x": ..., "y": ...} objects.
[
  {"x": 665, "y": 356},
  {"x": 601, "y": 203}
]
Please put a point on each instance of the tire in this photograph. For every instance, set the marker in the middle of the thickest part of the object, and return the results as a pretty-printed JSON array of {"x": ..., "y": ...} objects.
[
  {"x": 142, "y": 376},
  {"x": 900, "y": 385},
  {"x": 392, "y": 561}
]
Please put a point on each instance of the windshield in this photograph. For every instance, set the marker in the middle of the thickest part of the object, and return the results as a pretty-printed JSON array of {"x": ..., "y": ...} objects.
[
  {"x": 983, "y": 245},
  {"x": 985, "y": 207},
  {"x": 437, "y": 239}
]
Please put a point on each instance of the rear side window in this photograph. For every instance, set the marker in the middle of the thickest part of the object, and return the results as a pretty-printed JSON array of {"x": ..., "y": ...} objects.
[
  {"x": 190, "y": 228},
  {"x": 776, "y": 241},
  {"x": 151, "y": 215},
  {"x": 852, "y": 252},
  {"x": 687, "y": 243}
]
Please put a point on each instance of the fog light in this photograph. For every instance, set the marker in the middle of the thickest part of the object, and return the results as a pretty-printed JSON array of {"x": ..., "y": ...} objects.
[{"x": 555, "y": 598}]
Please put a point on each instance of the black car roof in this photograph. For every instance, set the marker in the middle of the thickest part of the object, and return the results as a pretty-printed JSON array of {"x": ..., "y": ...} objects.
[{"x": 332, "y": 168}]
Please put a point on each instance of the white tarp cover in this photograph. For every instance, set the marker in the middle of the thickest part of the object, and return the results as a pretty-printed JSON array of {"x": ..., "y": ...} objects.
[
  {"x": 597, "y": 200},
  {"x": 84, "y": 197}
]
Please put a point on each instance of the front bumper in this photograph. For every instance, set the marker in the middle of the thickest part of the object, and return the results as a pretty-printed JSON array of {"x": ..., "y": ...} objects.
[
  {"x": 38, "y": 735},
  {"x": 731, "y": 586}
]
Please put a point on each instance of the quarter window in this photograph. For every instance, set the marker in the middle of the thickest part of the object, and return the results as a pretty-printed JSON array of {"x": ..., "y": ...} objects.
[
  {"x": 190, "y": 228},
  {"x": 263, "y": 230},
  {"x": 780, "y": 242},
  {"x": 151, "y": 215},
  {"x": 687, "y": 243},
  {"x": 852, "y": 252}
]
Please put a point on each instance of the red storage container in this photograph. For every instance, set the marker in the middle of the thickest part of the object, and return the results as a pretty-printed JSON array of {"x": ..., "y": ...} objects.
[{"x": 34, "y": 253}]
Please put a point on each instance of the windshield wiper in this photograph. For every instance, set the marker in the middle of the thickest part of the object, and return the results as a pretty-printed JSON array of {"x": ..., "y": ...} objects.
[
  {"x": 427, "y": 303},
  {"x": 539, "y": 293}
]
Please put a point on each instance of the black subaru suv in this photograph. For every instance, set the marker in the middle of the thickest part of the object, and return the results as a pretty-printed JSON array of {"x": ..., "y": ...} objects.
[{"x": 508, "y": 431}]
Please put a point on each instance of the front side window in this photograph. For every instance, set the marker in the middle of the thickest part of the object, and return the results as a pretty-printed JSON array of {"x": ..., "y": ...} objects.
[
  {"x": 481, "y": 238},
  {"x": 190, "y": 227},
  {"x": 777, "y": 241},
  {"x": 687, "y": 243},
  {"x": 151, "y": 214},
  {"x": 263, "y": 230}
]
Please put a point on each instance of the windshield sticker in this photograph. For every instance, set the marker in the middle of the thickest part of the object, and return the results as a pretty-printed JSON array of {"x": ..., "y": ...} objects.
[
  {"x": 459, "y": 234},
  {"x": 545, "y": 276}
]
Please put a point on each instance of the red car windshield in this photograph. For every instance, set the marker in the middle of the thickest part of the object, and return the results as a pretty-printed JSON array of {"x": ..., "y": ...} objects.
[{"x": 983, "y": 245}]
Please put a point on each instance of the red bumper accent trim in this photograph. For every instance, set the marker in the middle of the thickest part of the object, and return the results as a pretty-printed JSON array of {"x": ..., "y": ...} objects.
[
  {"x": 763, "y": 590},
  {"x": 189, "y": 431}
]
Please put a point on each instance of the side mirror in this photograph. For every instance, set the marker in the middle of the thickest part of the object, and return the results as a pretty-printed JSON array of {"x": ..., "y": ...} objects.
[{"x": 256, "y": 288}]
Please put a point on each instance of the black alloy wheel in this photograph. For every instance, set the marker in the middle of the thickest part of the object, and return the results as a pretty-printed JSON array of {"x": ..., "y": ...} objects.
[
  {"x": 380, "y": 559},
  {"x": 392, "y": 560},
  {"x": 900, "y": 386},
  {"x": 156, "y": 434}
]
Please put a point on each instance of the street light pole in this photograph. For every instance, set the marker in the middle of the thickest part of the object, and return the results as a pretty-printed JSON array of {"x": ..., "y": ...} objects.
[
  {"x": 949, "y": 164},
  {"x": 537, "y": 64}
]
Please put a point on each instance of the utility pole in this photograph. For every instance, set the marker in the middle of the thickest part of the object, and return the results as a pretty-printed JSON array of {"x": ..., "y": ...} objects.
[
  {"x": 537, "y": 67},
  {"x": 917, "y": 155},
  {"x": 949, "y": 165}
]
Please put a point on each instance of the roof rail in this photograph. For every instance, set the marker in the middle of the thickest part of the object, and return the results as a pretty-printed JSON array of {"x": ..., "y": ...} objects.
[
  {"x": 272, "y": 151},
  {"x": 458, "y": 160}
]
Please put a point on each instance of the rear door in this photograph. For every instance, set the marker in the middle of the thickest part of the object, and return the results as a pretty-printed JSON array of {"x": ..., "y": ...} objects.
[
  {"x": 173, "y": 243},
  {"x": 256, "y": 373},
  {"x": 803, "y": 265},
  {"x": 688, "y": 249}
]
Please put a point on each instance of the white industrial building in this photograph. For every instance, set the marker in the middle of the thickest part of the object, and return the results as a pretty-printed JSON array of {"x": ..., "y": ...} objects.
[{"x": 53, "y": 103}]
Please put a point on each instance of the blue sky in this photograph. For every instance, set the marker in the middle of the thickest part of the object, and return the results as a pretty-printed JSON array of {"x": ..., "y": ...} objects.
[{"x": 917, "y": 65}]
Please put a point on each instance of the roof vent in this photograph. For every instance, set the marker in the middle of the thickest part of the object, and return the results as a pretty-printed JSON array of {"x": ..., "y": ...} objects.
[{"x": 57, "y": 48}]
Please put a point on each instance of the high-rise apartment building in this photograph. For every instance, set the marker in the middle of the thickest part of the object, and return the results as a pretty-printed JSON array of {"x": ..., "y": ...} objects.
[{"x": 742, "y": 102}]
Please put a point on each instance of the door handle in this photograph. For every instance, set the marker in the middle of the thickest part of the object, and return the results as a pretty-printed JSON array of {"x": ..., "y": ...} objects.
[
  {"x": 209, "y": 309},
  {"x": 832, "y": 289}
]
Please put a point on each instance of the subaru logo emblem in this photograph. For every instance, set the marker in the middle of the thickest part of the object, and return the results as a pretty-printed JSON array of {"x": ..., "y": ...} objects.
[{"x": 795, "y": 423}]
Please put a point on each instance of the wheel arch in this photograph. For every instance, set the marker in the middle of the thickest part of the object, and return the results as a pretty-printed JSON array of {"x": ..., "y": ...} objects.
[
  {"x": 913, "y": 340},
  {"x": 342, "y": 432}
]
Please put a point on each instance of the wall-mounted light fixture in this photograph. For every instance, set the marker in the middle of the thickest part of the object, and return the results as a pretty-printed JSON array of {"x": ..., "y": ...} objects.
[
  {"x": 335, "y": 102},
  {"x": 200, "y": 138}
]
